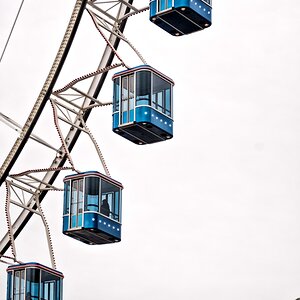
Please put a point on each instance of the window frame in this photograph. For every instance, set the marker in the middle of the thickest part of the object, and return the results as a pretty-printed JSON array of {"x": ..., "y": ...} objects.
[
  {"x": 79, "y": 203},
  {"x": 165, "y": 99},
  {"x": 127, "y": 103}
]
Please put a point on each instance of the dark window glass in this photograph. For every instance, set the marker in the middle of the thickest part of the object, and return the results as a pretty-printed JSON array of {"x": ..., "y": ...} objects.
[
  {"x": 10, "y": 284},
  {"x": 58, "y": 288},
  {"x": 161, "y": 97},
  {"x": 32, "y": 283},
  {"x": 116, "y": 95},
  {"x": 49, "y": 285},
  {"x": 92, "y": 193},
  {"x": 168, "y": 103},
  {"x": 67, "y": 198},
  {"x": 110, "y": 200},
  {"x": 116, "y": 208},
  {"x": 143, "y": 87}
]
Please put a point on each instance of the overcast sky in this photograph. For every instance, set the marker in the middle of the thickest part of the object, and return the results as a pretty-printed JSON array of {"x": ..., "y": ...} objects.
[{"x": 214, "y": 212}]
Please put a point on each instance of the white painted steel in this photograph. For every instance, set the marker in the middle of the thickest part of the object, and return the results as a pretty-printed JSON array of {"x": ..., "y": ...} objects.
[{"x": 125, "y": 9}]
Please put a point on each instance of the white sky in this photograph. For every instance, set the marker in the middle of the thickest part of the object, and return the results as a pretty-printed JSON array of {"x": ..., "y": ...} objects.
[{"x": 212, "y": 213}]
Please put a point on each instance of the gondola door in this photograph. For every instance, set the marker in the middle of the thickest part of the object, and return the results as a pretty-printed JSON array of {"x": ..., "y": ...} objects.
[
  {"x": 164, "y": 4},
  {"x": 127, "y": 99},
  {"x": 76, "y": 203}
]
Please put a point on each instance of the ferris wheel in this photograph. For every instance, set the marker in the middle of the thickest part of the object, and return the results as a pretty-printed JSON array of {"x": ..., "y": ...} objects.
[{"x": 142, "y": 113}]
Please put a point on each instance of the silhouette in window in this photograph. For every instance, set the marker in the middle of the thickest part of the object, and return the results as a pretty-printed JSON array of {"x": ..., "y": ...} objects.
[{"x": 104, "y": 209}]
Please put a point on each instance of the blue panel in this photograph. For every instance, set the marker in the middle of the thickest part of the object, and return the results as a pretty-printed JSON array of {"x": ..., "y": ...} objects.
[
  {"x": 65, "y": 223},
  {"x": 90, "y": 221},
  {"x": 79, "y": 224},
  {"x": 182, "y": 3},
  {"x": 99, "y": 222},
  {"x": 109, "y": 226},
  {"x": 73, "y": 221},
  {"x": 162, "y": 5},
  {"x": 131, "y": 115},
  {"x": 153, "y": 8},
  {"x": 124, "y": 117},
  {"x": 143, "y": 114},
  {"x": 148, "y": 114},
  {"x": 116, "y": 120}
]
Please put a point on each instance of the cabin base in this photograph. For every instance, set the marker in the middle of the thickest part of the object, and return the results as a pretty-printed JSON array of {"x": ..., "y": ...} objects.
[
  {"x": 92, "y": 236},
  {"x": 143, "y": 133},
  {"x": 96, "y": 229},
  {"x": 181, "y": 20}
]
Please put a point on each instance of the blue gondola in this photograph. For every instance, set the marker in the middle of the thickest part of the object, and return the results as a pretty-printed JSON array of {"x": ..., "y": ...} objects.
[
  {"x": 179, "y": 17},
  {"x": 92, "y": 208},
  {"x": 33, "y": 281},
  {"x": 143, "y": 105}
]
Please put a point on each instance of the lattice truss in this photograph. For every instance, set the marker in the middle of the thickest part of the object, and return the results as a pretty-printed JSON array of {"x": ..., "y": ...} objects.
[{"x": 70, "y": 105}]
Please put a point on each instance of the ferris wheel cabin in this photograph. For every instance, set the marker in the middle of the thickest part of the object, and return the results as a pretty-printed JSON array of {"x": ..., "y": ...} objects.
[
  {"x": 179, "y": 17},
  {"x": 92, "y": 208},
  {"x": 33, "y": 281},
  {"x": 143, "y": 105}
]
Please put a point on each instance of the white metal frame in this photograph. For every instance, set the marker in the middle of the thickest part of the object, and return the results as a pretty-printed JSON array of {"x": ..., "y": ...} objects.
[{"x": 110, "y": 15}]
